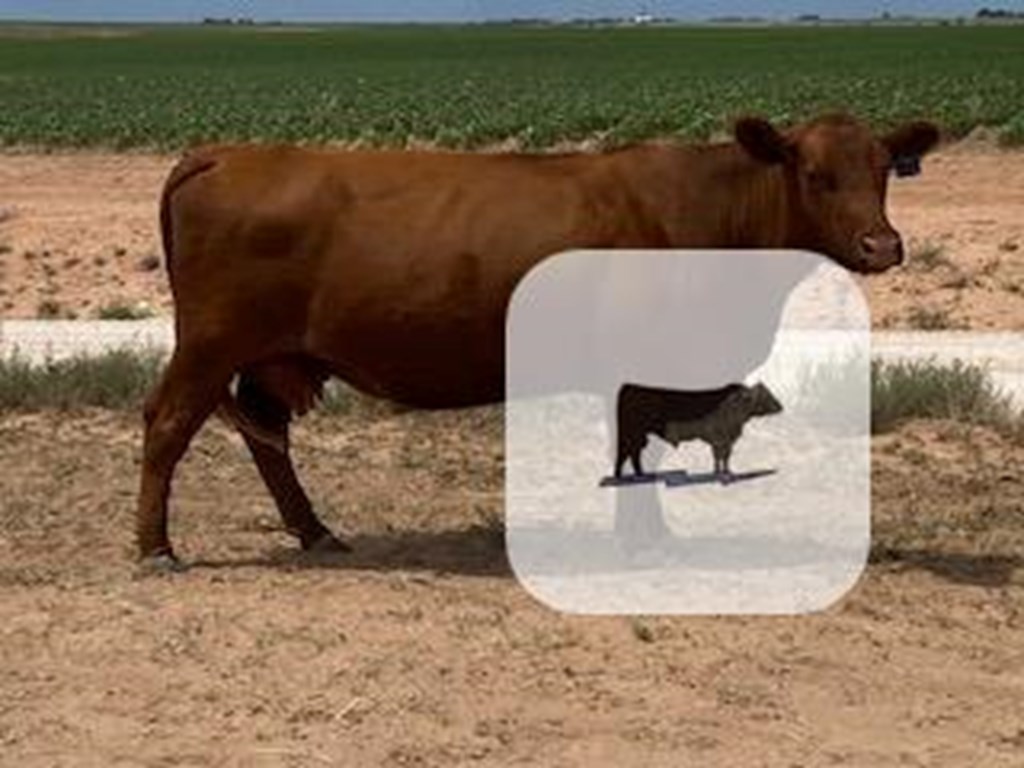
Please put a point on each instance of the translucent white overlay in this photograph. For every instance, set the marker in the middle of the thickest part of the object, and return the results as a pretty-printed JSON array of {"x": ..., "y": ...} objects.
[{"x": 787, "y": 532}]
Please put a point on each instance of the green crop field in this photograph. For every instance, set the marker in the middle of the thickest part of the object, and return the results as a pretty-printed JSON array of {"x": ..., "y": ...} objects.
[{"x": 472, "y": 86}]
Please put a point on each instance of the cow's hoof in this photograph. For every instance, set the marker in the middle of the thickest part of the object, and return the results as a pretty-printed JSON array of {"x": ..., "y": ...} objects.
[
  {"x": 156, "y": 565},
  {"x": 328, "y": 544}
]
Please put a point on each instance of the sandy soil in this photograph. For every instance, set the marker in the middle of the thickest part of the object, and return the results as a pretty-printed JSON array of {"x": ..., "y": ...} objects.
[
  {"x": 78, "y": 232},
  {"x": 420, "y": 649}
]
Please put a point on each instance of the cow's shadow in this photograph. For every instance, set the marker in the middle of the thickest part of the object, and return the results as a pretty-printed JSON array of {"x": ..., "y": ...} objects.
[
  {"x": 678, "y": 478},
  {"x": 477, "y": 550},
  {"x": 981, "y": 570},
  {"x": 539, "y": 549},
  {"x": 480, "y": 551}
]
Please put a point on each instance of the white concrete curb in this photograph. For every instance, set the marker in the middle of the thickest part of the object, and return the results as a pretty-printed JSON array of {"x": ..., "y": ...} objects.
[{"x": 39, "y": 340}]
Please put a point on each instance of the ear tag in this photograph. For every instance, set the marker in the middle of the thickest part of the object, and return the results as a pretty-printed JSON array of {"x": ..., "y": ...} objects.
[{"x": 907, "y": 165}]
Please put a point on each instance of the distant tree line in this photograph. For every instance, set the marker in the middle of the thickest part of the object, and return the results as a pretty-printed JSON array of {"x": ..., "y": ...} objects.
[
  {"x": 982, "y": 14},
  {"x": 227, "y": 21},
  {"x": 998, "y": 13}
]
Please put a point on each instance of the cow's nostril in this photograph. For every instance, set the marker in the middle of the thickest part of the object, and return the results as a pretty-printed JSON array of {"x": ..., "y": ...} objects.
[{"x": 882, "y": 248}]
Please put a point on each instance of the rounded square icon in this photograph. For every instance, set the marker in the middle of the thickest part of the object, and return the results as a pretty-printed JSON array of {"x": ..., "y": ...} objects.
[{"x": 687, "y": 432}]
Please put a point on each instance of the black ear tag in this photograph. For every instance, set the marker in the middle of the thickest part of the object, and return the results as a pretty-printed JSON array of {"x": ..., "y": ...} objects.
[{"x": 907, "y": 165}]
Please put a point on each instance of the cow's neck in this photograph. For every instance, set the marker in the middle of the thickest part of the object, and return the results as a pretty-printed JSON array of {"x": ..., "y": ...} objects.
[
  {"x": 747, "y": 199},
  {"x": 762, "y": 214},
  {"x": 717, "y": 196}
]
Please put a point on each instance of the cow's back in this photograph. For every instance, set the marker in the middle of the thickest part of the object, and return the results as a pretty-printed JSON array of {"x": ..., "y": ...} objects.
[
  {"x": 656, "y": 407},
  {"x": 395, "y": 267}
]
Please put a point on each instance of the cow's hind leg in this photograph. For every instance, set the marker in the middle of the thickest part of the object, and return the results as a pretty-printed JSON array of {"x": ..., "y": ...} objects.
[
  {"x": 635, "y": 457},
  {"x": 276, "y": 467},
  {"x": 620, "y": 458},
  {"x": 188, "y": 392},
  {"x": 629, "y": 449}
]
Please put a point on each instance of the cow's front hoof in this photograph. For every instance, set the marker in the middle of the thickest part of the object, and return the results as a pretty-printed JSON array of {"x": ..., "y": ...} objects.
[
  {"x": 725, "y": 478},
  {"x": 327, "y": 544},
  {"x": 164, "y": 563}
]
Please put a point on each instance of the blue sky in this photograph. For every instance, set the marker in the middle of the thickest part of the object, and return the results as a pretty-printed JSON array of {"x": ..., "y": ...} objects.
[{"x": 445, "y": 10}]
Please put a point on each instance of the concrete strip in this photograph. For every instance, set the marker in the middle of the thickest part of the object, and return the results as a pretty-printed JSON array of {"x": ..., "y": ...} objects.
[
  {"x": 41, "y": 340},
  {"x": 38, "y": 340}
]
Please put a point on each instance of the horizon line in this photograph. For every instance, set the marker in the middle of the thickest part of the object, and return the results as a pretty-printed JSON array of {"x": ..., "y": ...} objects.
[{"x": 630, "y": 20}]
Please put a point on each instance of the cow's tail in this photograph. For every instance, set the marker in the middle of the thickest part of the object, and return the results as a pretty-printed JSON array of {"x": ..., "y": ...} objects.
[{"x": 190, "y": 166}]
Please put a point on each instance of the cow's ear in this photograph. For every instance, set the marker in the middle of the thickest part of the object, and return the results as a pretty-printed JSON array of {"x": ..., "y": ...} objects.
[
  {"x": 912, "y": 140},
  {"x": 761, "y": 140}
]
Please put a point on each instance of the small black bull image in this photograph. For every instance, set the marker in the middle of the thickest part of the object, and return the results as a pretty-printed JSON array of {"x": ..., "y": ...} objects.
[{"x": 716, "y": 416}]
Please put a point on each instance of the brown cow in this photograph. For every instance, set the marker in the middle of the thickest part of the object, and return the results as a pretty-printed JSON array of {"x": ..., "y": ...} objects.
[{"x": 393, "y": 270}]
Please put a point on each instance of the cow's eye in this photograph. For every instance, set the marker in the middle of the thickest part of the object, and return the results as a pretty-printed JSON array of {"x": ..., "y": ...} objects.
[{"x": 822, "y": 181}]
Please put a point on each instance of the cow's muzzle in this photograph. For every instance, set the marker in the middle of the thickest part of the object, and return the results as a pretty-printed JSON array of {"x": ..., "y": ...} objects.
[{"x": 881, "y": 250}]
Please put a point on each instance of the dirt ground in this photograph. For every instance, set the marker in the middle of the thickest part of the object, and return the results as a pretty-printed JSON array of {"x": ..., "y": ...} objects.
[{"x": 420, "y": 648}]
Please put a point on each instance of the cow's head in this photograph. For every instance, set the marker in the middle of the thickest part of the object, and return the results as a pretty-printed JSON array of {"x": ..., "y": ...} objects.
[
  {"x": 837, "y": 173},
  {"x": 761, "y": 401}
]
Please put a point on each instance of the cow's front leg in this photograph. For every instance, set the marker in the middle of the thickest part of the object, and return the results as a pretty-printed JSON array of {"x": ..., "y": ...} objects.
[{"x": 723, "y": 451}]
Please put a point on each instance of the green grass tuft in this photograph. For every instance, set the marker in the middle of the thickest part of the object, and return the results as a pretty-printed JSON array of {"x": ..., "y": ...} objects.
[
  {"x": 121, "y": 311},
  {"x": 1012, "y": 133},
  {"x": 49, "y": 309},
  {"x": 932, "y": 319},
  {"x": 338, "y": 399},
  {"x": 116, "y": 380},
  {"x": 928, "y": 390},
  {"x": 927, "y": 256}
]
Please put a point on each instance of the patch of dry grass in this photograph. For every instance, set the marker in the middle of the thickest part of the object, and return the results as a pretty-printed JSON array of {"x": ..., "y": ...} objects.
[
  {"x": 905, "y": 390},
  {"x": 928, "y": 256},
  {"x": 118, "y": 380}
]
